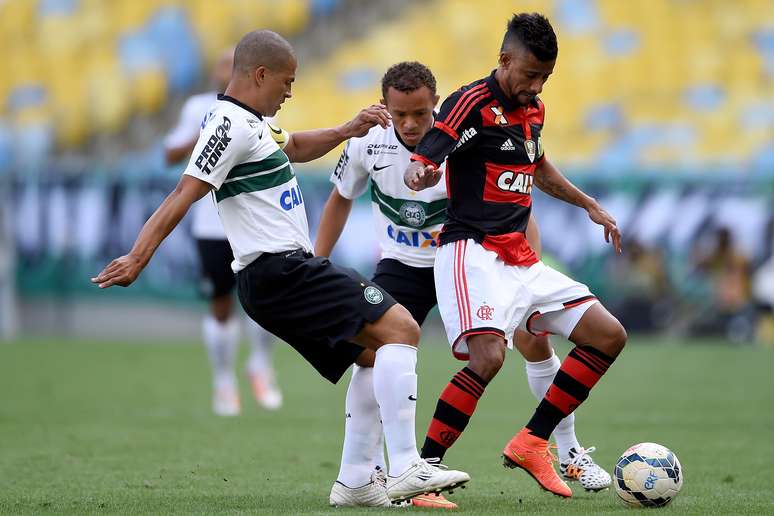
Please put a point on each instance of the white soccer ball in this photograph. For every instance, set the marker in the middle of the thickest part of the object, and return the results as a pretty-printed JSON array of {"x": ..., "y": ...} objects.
[{"x": 648, "y": 475}]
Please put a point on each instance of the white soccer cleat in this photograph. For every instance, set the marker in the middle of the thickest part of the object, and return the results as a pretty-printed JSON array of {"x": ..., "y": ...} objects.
[
  {"x": 265, "y": 389},
  {"x": 225, "y": 401},
  {"x": 373, "y": 494},
  {"x": 581, "y": 467},
  {"x": 423, "y": 477}
]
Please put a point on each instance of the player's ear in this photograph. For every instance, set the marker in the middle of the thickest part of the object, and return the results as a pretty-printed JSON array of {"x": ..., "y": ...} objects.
[
  {"x": 505, "y": 59},
  {"x": 260, "y": 75},
  {"x": 382, "y": 102},
  {"x": 436, "y": 98}
]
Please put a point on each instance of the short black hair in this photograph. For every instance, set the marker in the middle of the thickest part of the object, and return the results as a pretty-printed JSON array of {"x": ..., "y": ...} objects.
[
  {"x": 407, "y": 77},
  {"x": 262, "y": 48},
  {"x": 533, "y": 31}
]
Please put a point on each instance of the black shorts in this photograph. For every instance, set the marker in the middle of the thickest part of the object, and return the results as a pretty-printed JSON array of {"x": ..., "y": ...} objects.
[
  {"x": 413, "y": 287},
  {"x": 313, "y": 305},
  {"x": 215, "y": 257}
]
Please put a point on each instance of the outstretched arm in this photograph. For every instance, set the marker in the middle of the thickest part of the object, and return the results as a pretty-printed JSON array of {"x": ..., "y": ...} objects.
[
  {"x": 306, "y": 146},
  {"x": 124, "y": 270},
  {"x": 551, "y": 181},
  {"x": 334, "y": 217}
]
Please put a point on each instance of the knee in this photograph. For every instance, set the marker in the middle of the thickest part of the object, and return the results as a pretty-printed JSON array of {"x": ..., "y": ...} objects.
[
  {"x": 403, "y": 328},
  {"x": 614, "y": 338},
  {"x": 533, "y": 348},
  {"x": 486, "y": 358}
]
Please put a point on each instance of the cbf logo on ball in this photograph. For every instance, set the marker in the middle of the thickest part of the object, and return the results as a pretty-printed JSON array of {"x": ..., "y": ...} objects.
[
  {"x": 373, "y": 295},
  {"x": 413, "y": 214}
]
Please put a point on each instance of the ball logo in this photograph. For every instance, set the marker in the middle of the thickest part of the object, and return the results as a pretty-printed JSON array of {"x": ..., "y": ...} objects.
[
  {"x": 413, "y": 214},
  {"x": 373, "y": 295},
  {"x": 650, "y": 482},
  {"x": 485, "y": 312}
]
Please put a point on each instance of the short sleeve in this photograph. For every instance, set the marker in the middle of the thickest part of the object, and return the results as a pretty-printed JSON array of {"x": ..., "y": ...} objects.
[
  {"x": 188, "y": 126},
  {"x": 454, "y": 126},
  {"x": 350, "y": 175},
  {"x": 221, "y": 146}
]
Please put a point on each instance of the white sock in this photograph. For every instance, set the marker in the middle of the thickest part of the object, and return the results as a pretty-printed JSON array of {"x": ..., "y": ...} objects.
[
  {"x": 362, "y": 430},
  {"x": 540, "y": 375},
  {"x": 395, "y": 388},
  {"x": 222, "y": 341},
  {"x": 261, "y": 347}
]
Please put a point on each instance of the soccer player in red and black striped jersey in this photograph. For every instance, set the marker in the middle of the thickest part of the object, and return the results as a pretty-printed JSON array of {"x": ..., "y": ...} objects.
[{"x": 489, "y": 281}]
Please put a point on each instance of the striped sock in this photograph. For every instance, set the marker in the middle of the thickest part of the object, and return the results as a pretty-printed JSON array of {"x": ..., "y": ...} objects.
[
  {"x": 580, "y": 371},
  {"x": 452, "y": 413}
]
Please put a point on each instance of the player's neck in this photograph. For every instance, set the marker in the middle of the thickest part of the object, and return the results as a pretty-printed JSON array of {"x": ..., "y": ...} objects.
[{"x": 242, "y": 94}]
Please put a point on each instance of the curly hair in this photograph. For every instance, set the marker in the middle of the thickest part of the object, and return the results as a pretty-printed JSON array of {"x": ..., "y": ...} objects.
[
  {"x": 407, "y": 77},
  {"x": 533, "y": 31}
]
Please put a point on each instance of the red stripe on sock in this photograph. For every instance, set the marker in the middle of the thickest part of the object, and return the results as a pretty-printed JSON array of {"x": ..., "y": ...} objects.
[
  {"x": 595, "y": 361},
  {"x": 442, "y": 433},
  {"x": 580, "y": 372},
  {"x": 476, "y": 387},
  {"x": 561, "y": 400},
  {"x": 459, "y": 399}
]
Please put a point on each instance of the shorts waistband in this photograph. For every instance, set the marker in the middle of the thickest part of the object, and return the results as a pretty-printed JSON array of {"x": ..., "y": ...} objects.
[{"x": 293, "y": 253}]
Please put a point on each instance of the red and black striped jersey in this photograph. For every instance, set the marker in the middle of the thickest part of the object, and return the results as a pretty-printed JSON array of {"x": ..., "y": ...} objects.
[{"x": 492, "y": 147}]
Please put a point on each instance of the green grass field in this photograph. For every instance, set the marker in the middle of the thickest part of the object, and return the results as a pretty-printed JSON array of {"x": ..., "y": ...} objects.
[{"x": 90, "y": 427}]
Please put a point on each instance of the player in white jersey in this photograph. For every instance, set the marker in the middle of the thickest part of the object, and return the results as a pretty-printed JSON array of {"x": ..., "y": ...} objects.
[
  {"x": 220, "y": 328},
  {"x": 407, "y": 224},
  {"x": 329, "y": 314}
]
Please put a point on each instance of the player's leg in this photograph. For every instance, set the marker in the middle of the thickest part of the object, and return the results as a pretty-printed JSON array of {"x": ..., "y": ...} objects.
[
  {"x": 220, "y": 327},
  {"x": 567, "y": 308},
  {"x": 413, "y": 288},
  {"x": 542, "y": 364},
  {"x": 395, "y": 337},
  {"x": 459, "y": 398},
  {"x": 477, "y": 298},
  {"x": 260, "y": 369}
]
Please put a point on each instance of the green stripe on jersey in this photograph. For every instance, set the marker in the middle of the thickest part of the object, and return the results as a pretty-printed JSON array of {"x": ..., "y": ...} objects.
[
  {"x": 274, "y": 160},
  {"x": 261, "y": 181},
  {"x": 409, "y": 213}
]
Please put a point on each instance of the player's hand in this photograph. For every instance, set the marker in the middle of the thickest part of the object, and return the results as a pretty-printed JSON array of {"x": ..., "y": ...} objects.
[
  {"x": 604, "y": 219},
  {"x": 375, "y": 114},
  {"x": 419, "y": 176},
  {"x": 121, "y": 271}
]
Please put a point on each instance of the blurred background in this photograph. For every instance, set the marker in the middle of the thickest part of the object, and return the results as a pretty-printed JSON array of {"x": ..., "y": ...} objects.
[{"x": 662, "y": 109}]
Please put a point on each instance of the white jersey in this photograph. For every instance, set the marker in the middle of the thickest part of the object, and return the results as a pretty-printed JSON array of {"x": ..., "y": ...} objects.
[
  {"x": 260, "y": 204},
  {"x": 206, "y": 223},
  {"x": 407, "y": 222}
]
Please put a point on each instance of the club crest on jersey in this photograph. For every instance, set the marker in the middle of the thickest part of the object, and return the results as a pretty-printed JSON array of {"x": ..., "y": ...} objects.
[
  {"x": 499, "y": 116},
  {"x": 413, "y": 214},
  {"x": 531, "y": 149},
  {"x": 214, "y": 148},
  {"x": 373, "y": 295},
  {"x": 485, "y": 312}
]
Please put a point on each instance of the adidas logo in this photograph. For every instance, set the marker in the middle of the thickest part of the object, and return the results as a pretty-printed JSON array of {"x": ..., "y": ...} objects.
[{"x": 508, "y": 145}]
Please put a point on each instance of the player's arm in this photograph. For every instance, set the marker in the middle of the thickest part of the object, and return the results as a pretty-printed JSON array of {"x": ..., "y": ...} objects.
[
  {"x": 306, "y": 146},
  {"x": 440, "y": 141},
  {"x": 124, "y": 270},
  {"x": 334, "y": 218},
  {"x": 177, "y": 153},
  {"x": 551, "y": 181},
  {"x": 181, "y": 140}
]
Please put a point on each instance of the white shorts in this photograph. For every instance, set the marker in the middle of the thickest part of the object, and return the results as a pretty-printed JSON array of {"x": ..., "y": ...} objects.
[{"x": 478, "y": 293}]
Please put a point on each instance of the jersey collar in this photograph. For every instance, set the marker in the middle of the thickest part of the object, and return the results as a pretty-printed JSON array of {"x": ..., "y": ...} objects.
[
  {"x": 508, "y": 103},
  {"x": 231, "y": 99}
]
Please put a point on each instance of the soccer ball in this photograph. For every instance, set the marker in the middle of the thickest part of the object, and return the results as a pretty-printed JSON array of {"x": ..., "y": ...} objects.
[{"x": 648, "y": 475}]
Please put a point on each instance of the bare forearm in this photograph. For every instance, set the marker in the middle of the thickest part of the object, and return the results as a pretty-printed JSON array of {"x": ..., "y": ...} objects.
[
  {"x": 551, "y": 181},
  {"x": 334, "y": 217},
  {"x": 174, "y": 155},
  {"x": 306, "y": 146}
]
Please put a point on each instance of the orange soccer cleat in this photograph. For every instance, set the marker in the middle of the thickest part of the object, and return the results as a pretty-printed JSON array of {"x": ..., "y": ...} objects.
[
  {"x": 531, "y": 454},
  {"x": 432, "y": 501}
]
